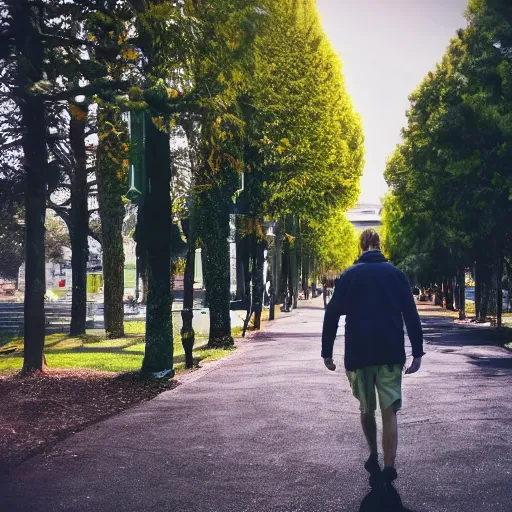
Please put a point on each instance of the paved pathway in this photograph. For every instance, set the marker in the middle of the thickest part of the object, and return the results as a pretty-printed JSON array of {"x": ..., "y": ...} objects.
[{"x": 270, "y": 429}]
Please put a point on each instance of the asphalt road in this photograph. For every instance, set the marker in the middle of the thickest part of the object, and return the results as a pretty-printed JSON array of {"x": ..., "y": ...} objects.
[{"x": 270, "y": 429}]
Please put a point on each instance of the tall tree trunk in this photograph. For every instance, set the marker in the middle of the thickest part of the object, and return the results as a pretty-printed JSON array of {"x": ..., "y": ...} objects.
[
  {"x": 285, "y": 274},
  {"x": 258, "y": 281},
  {"x": 245, "y": 257},
  {"x": 79, "y": 227},
  {"x": 279, "y": 268},
  {"x": 240, "y": 273},
  {"x": 290, "y": 292},
  {"x": 462, "y": 292},
  {"x": 294, "y": 264},
  {"x": 449, "y": 294},
  {"x": 26, "y": 27},
  {"x": 274, "y": 274},
  {"x": 157, "y": 221},
  {"x": 34, "y": 148},
  {"x": 214, "y": 212},
  {"x": 314, "y": 276},
  {"x": 478, "y": 288},
  {"x": 305, "y": 275},
  {"x": 141, "y": 252},
  {"x": 187, "y": 313},
  {"x": 483, "y": 278},
  {"x": 111, "y": 209},
  {"x": 499, "y": 294}
]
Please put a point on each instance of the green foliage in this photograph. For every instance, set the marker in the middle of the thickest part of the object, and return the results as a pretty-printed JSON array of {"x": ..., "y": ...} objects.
[
  {"x": 256, "y": 87},
  {"x": 307, "y": 140},
  {"x": 12, "y": 236},
  {"x": 56, "y": 238},
  {"x": 451, "y": 178},
  {"x": 333, "y": 242}
]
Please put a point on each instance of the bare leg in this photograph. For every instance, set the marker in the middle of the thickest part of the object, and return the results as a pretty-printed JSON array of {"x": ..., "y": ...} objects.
[
  {"x": 389, "y": 436},
  {"x": 370, "y": 431}
]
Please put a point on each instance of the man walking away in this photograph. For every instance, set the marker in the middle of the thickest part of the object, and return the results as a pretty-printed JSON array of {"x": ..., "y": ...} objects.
[{"x": 376, "y": 298}]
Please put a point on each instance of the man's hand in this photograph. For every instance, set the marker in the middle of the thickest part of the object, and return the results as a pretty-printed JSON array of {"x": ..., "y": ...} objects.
[
  {"x": 415, "y": 366},
  {"x": 329, "y": 363}
]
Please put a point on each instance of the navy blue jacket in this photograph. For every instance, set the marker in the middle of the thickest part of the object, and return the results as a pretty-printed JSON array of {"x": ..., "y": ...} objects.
[{"x": 373, "y": 294}]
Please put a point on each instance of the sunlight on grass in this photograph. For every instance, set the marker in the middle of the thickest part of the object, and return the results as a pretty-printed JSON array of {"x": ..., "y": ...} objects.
[
  {"x": 135, "y": 327},
  {"x": 99, "y": 353},
  {"x": 236, "y": 332},
  {"x": 438, "y": 312},
  {"x": 129, "y": 276}
]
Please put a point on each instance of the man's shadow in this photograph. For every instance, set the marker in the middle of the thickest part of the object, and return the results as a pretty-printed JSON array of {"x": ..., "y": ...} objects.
[{"x": 378, "y": 500}]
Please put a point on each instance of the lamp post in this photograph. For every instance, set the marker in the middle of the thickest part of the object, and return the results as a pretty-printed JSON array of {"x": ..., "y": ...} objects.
[{"x": 138, "y": 176}]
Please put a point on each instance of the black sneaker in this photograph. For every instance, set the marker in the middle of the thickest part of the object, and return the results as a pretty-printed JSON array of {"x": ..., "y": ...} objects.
[
  {"x": 389, "y": 475},
  {"x": 372, "y": 466}
]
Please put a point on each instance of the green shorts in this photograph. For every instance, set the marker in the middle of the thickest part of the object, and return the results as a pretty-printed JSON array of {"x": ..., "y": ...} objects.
[{"x": 388, "y": 381}]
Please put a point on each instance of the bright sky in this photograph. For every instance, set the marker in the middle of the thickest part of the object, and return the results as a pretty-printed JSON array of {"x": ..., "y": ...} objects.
[{"x": 387, "y": 48}]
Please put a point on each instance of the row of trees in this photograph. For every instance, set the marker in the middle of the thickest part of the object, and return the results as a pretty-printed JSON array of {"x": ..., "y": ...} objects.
[
  {"x": 255, "y": 94},
  {"x": 451, "y": 179}
]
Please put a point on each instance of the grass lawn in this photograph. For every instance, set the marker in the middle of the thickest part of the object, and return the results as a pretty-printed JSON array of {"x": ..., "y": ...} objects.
[
  {"x": 129, "y": 276},
  {"x": 98, "y": 353}
]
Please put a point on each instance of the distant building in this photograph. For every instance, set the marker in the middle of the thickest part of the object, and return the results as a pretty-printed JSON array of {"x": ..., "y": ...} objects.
[{"x": 365, "y": 216}]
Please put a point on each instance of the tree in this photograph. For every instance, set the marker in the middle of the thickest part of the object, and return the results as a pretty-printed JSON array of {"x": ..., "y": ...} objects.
[
  {"x": 305, "y": 142},
  {"x": 333, "y": 242},
  {"x": 221, "y": 64},
  {"x": 451, "y": 177},
  {"x": 111, "y": 174},
  {"x": 304, "y": 126},
  {"x": 23, "y": 54}
]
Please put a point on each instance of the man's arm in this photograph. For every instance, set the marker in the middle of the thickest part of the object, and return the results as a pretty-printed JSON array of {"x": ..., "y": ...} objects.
[
  {"x": 412, "y": 320},
  {"x": 335, "y": 308}
]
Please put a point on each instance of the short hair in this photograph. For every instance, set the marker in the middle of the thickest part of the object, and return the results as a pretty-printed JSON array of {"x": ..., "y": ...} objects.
[{"x": 369, "y": 238}]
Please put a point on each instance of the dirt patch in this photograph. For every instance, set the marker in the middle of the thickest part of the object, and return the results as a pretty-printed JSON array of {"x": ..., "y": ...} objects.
[{"x": 42, "y": 409}]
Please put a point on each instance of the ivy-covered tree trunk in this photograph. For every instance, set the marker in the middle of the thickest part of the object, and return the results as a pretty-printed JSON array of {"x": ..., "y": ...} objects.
[
  {"x": 111, "y": 188},
  {"x": 258, "y": 281},
  {"x": 36, "y": 172},
  {"x": 157, "y": 222},
  {"x": 215, "y": 207},
  {"x": 79, "y": 221}
]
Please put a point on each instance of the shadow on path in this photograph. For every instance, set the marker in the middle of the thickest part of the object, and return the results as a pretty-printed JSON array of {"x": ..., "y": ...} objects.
[
  {"x": 442, "y": 331},
  {"x": 387, "y": 500}
]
